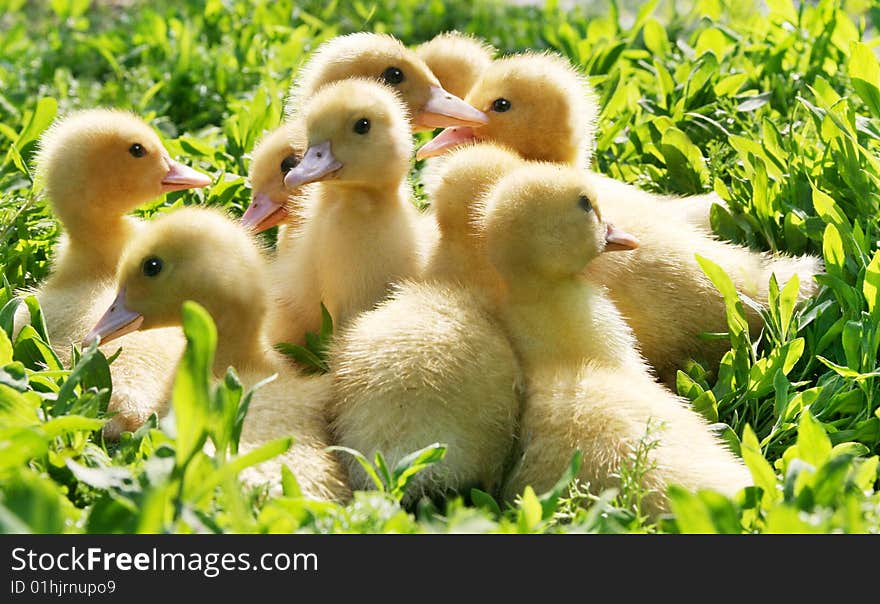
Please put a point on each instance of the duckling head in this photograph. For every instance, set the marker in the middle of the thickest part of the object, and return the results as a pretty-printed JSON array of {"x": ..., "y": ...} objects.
[
  {"x": 537, "y": 104},
  {"x": 99, "y": 164},
  {"x": 191, "y": 254},
  {"x": 272, "y": 158},
  {"x": 384, "y": 58},
  {"x": 458, "y": 60},
  {"x": 458, "y": 180},
  {"x": 543, "y": 220},
  {"x": 357, "y": 133}
]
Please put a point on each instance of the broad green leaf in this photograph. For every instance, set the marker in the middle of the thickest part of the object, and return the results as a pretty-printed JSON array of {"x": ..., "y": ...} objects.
[
  {"x": 762, "y": 471},
  {"x": 864, "y": 70},
  {"x": 530, "y": 511},
  {"x": 813, "y": 444}
]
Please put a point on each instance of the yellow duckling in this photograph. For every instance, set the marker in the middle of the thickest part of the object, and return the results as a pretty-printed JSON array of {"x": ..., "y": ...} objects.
[
  {"x": 583, "y": 390},
  {"x": 361, "y": 233},
  {"x": 199, "y": 254},
  {"x": 98, "y": 165},
  {"x": 541, "y": 106},
  {"x": 367, "y": 55},
  {"x": 430, "y": 364},
  {"x": 385, "y": 58},
  {"x": 458, "y": 60}
]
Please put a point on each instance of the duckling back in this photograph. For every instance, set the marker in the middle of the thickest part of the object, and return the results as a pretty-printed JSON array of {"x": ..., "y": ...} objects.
[
  {"x": 429, "y": 365},
  {"x": 294, "y": 406},
  {"x": 619, "y": 419}
]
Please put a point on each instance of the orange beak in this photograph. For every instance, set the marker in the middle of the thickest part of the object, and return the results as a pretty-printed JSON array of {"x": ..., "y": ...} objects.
[
  {"x": 446, "y": 140},
  {"x": 180, "y": 177},
  {"x": 617, "y": 240},
  {"x": 317, "y": 164},
  {"x": 263, "y": 213},
  {"x": 444, "y": 109},
  {"x": 116, "y": 322}
]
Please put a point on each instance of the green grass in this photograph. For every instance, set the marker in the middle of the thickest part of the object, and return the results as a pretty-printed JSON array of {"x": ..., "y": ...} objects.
[{"x": 779, "y": 114}]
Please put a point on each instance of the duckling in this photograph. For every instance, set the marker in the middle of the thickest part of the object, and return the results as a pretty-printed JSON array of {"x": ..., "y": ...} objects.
[
  {"x": 430, "y": 364},
  {"x": 361, "y": 233},
  {"x": 458, "y": 60},
  {"x": 176, "y": 259},
  {"x": 541, "y": 106},
  {"x": 97, "y": 165},
  {"x": 385, "y": 58},
  {"x": 368, "y": 55},
  {"x": 543, "y": 223}
]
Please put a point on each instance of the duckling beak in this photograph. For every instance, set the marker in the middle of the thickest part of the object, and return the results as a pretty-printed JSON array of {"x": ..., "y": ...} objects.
[
  {"x": 317, "y": 164},
  {"x": 617, "y": 240},
  {"x": 180, "y": 177},
  {"x": 446, "y": 140},
  {"x": 444, "y": 109},
  {"x": 116, "y": 322},
  {"x": 263, "y": 213}
]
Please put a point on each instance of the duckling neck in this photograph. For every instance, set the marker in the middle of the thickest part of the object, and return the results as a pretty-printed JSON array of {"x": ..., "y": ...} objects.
[
  {"x": 92, "y": 251},
  {"x": 564, "y": 323},
  {"x": 459, "y": 258},
  {"x": 361, "y": 197},
  {"x": 241, "y": 342}
]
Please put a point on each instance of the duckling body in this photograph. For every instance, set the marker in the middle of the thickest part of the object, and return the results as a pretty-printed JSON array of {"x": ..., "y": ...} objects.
[
  {"x": 97, "y": 165},
  {"x": 361, "y": 231},
  {"x": 585, "y": 387},
  {"x": 175, "y": 260},
  {"x": 431, "y": 364}
]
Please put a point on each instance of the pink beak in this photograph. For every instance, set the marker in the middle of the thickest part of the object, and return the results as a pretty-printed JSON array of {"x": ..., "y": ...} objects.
[
  {"x": 617, "y": 240},
  {"x": 116, "y": 322},
  {"x": 446, "y": 140},
  {"x": 444, "y": 109},
  {"x": 317, "y": 164},
  {"x": 263, "y": 213},
  {"x": 180, "y": 177}
]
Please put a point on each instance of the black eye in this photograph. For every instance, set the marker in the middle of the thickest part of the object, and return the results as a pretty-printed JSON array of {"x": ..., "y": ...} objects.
[
  {"x": 289, "y": 163},
  {"x": 137, "y": 150},
  {"x": 392, "y": 76},
  {"x": 585, "y": 204},
  {"x": 152, "y": 266},
  {"x": 362, "y": 126},
  {"x": 501, "y": 105}
]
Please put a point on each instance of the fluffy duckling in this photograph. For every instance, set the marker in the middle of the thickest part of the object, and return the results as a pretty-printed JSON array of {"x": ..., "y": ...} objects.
[
  {"x": 176, "y": 259},
  {"x": 362, "y": 233},
  {"x": 536, "y": 104},
  {"x": 430, "y": 364},
  {"x": 543, "y": 224},
  {"x": 368, "y": 55},
  {"x": 541, "y": 106},
  {"x": 458, "y": 60},
  {"x": 97, "y": 165},
  {"x": 385, "y": 58}
]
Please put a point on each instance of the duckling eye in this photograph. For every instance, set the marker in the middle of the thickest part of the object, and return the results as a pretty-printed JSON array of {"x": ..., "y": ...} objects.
[
  {"x": 289, "y": 163},
  {"x": 584, "y": 203},
  {"x": 392, "y": 76},
  {"x": 501, "y": 105},
  {"x": 362, "y": 126},
  {"x": 152, "y": 266},
  {"x": 137, "y": 150}
]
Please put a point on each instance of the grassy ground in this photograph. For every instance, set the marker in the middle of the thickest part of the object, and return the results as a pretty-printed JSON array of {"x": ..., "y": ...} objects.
[{"x": 778, "y": 113}]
